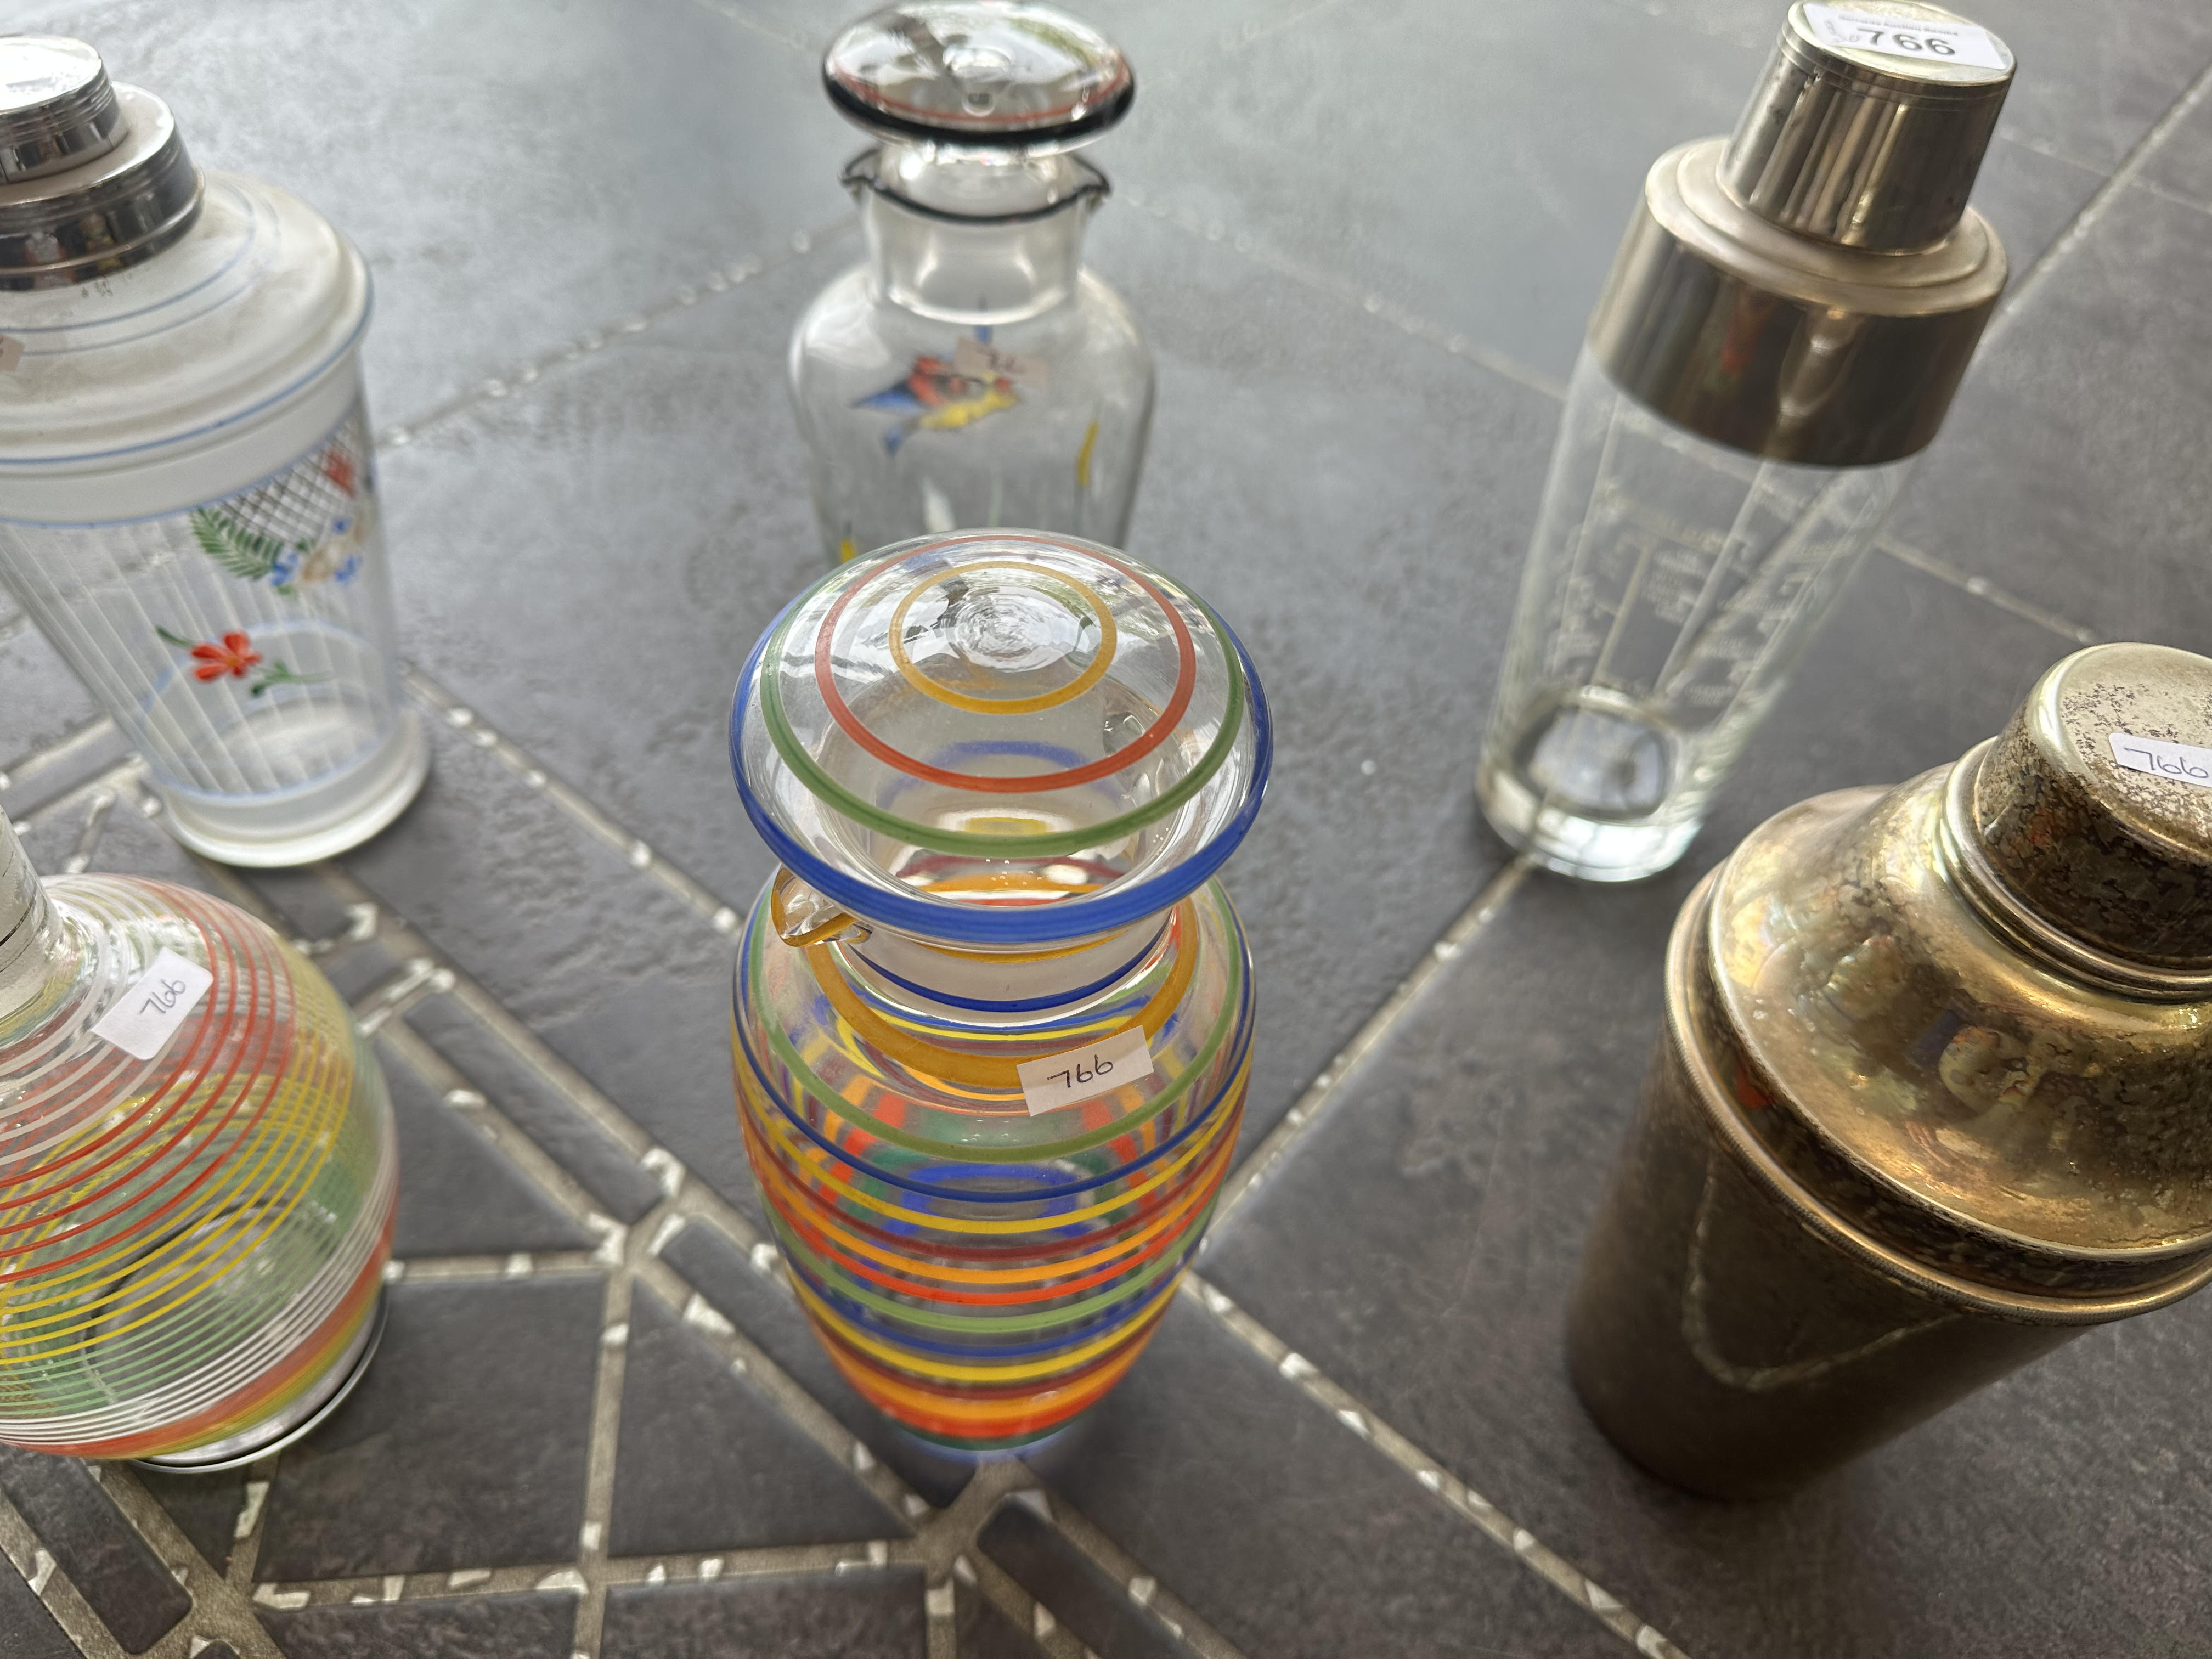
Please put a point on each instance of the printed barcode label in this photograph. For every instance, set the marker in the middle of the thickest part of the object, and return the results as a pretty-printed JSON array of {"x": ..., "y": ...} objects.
[
  {"x": 981, "y": 361},
  {"x": 151, "y": 1012},
  {"x": 1080, "y": 1074},
  {"x": 2183, "y": 761},
  {"x": 1930, "y": 41},
  {"x": 11, "y": 352}
]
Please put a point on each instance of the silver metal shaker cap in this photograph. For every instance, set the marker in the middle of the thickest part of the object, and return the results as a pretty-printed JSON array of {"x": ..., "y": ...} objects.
[
  {"x": 1871, "y": 123},
  {"x": 92, "y": 175},
  {"x": 2094, "y": 807},
  {"x": 56, "y": 108},
  {"x": 1812, "y": 288}
]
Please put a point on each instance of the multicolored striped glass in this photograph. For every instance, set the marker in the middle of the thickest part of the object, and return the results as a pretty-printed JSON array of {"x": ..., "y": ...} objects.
[
  {"x": 1000, "y": 769},
  {"x": 191, "y": 1246}
]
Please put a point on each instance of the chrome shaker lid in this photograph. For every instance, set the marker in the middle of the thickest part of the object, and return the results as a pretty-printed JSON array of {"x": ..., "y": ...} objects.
[
  {"x": 1871, "y": 123},
  {"x": 56, "y": 108},
  {"x": 1811, "y": 288},
  {"x": 2094, "y": 807},
  {"x": 1988, "y": 989},
  {"x": 92, "y": 175}
]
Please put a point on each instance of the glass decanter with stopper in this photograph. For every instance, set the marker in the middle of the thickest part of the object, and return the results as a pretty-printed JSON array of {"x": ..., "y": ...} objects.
[
  {"x": 198, "y": 1174},
  {"x": 970, "y": 372},
  {"x": 994, "y": 1016},
  {"x": 1785, "y": 324},
  {"x": 188, "y": 505}
]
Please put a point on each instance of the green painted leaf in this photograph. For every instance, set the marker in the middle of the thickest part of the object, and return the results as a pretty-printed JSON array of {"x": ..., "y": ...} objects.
[{"x": 246, "y": 554}]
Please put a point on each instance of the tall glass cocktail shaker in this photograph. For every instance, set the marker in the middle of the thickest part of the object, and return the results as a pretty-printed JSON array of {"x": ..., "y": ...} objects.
[
  {"x": 187, "y": 487},
  {"x": 1787, "y": 320}
]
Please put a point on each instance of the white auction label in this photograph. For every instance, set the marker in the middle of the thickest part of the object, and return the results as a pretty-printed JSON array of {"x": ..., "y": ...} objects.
[
  {"x": 151, "y": 1012},
  {"x": 1929, "y": 40},
  {"x": 2183, "y": 761},
  {"x": 1061, "y": 1080},
  {"x": 978, "y": 360},
  {"x": 11, "y": 352}
]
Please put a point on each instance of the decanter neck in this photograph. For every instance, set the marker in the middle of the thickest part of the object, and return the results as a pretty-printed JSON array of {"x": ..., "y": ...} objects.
[
  {"x": 974, "y": 238},
  {"x": 1019, "y": 987},
  {"x": 33, "y": 945}
]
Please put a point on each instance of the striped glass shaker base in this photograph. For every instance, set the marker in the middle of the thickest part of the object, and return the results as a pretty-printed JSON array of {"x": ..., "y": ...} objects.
[
  {"x": 980, "y": 1275},
  {"x": 191, "y": 1245}
]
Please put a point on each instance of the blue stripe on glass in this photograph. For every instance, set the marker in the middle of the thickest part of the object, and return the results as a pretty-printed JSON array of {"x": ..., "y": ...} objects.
[{"x": 1037, "y": 924}]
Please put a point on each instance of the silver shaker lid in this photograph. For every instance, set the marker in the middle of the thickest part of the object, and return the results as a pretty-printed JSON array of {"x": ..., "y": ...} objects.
[
  {"x": 92, "y": 175},
  {"x": 1869, "y": 145},
  {"x": 56, "y": 108},
  {"x": 1812, "y": 288}
]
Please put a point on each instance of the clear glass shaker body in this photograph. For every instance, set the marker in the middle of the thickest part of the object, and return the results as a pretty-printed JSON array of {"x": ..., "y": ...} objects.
[
  {"x": 969, "y": 372},
  {"x": 188, "y": 512},
  {"x": 1672, "y": 584}
]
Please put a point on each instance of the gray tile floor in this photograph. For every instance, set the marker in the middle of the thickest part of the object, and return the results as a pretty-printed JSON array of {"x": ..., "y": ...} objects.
[{"x": 1363, "y": 239}]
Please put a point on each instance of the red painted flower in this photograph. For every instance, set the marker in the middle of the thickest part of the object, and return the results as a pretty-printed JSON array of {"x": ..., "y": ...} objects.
[
  {"x": 234, "y": 657},
  {"x": 337, "y": 467}
]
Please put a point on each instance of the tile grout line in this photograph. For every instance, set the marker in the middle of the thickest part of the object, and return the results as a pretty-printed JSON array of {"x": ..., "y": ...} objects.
[
  {"x": 720, "y": 280},
  {"x": 2094, "y": 210},
  {"x": 220, "y": 1609},
  {"x": 1231, "y": 41},
  {"x": 589, "y": 1574},
  {"x": 1401, "y": 318},
  {"x": 26, "y": 1552},
  {"x": 675, "y": 1567},
  {"x": 1311, "y": 1106},
  {"x": 1178, "y": 1616},
  {"x": 602, "y": 826},
  {"x": 1982, "y": 587},
  {"x": 738, "y": 14},
  {"x": 1463, "y": 1500},
  {"x": 57, "y": 753}
]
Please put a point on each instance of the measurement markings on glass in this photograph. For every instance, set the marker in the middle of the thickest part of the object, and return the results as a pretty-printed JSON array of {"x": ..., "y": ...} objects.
[
  {"x": 1084, "y": 1073},
  {"x": 2185, "y": 762},
  {"x": 1926, "y": 38}
]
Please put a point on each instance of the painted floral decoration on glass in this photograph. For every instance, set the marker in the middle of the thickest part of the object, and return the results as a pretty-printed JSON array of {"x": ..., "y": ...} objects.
[
  {"x": 233, "y": 655},
  {"x": 309, "y": 525}
]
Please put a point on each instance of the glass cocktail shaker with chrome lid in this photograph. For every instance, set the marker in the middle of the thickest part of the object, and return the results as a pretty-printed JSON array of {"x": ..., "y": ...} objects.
[
  {"x": 993, "y": 1017},
  {"x": 970, "y": 372},
  {"x": 188, "y": 502},
  {"x": 1935, "y": 1093},
  {"x": 1785, "y": 324}
]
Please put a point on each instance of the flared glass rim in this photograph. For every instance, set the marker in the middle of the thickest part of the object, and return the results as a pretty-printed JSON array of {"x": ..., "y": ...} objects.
[{"x": 1075, "y": 917}]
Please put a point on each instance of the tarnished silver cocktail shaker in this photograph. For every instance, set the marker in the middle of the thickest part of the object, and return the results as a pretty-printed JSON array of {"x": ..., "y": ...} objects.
[{"x": 1935, "y": 1093}]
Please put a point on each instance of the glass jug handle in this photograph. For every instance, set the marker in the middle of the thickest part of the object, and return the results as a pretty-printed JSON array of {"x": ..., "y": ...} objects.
[{"x": 802, "y": 917}]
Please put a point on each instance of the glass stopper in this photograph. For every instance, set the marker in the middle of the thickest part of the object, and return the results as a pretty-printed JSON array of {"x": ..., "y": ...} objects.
[{"x": 978, "y": 73}]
